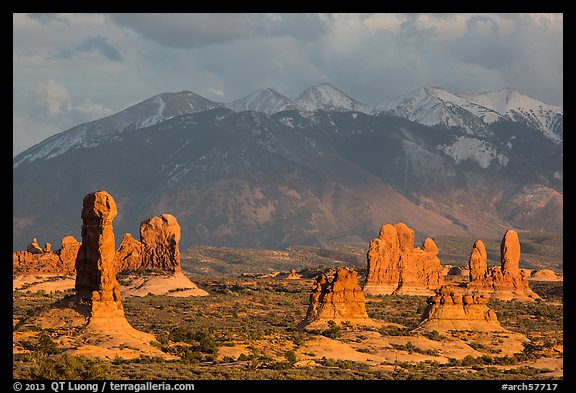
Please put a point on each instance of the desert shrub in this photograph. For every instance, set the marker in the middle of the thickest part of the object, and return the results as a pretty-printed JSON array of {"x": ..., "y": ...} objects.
[
  {"x": 412, "y": 348},
  {"x": 66, "y": 367},
  {"x": 344, "y": 364},
  {"x": 290, "y": 356},
  {"x": 46, "y": 345},
  {"x": 279, "y": 365},
  {"x": 202, "y": 340},
  {"x": 333, "y": 331},
  {"x": 244, "y": 357},
  {"x": 433, "y": 335},
  {"x": 394, "y": 331},
  {"x": 190, "y": 355},
  {"x": 469, "y": 360}
]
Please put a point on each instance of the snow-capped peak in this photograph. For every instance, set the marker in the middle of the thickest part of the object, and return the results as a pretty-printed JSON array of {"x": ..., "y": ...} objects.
[
  {"x": 433, "y": 106},
  {"x": 507, "y": 99},
  {"x": 519, "y": 107},
  {"x": 144, "y": 114},
  {"x": 264, "y": 100},
  {"x": 326, "y": 97}
]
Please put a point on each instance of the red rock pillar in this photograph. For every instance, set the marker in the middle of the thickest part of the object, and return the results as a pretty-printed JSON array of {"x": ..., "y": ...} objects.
[{"x": 96, "y": 277}]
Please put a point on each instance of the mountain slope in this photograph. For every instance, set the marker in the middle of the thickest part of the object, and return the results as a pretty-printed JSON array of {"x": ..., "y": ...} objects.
[
  {"x": 263, "y": 100},
  {"x": 521, "y": 108},
  {"x": 243, "y": 177},
  {"x": 146, "y": 113},
  {"x": 434, "y": 106},
  {"x": 226, "y": 184}
]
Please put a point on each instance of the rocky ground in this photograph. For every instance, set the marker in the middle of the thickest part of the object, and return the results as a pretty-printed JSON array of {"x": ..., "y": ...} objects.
[{"x": 246, "y": 329}]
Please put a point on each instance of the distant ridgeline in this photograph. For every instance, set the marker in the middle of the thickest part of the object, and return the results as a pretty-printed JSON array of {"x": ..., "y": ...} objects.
[{"x": 322, "y": 169}]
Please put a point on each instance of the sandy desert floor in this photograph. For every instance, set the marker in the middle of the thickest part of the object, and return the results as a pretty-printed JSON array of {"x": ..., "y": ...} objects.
[{"x": 246, "y": 329}]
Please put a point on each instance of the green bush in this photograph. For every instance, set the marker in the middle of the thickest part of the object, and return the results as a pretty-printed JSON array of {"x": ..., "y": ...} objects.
[
  {"x": 290, "y": 356},
  {"x": 333, "y": 331},
  {"x": 433, "y": 335},
  {"x": 66, "y": 367},
  {"x": 46, "y": 345}
]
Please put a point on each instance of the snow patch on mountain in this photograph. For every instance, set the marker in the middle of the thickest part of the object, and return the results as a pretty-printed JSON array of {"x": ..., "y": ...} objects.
[
  {"x": 155, "y": 118},
  {"x": 467, "y": 148},
  {"x": 263, "y": 100},
  {"x": 433, "y": 106},
  {"x": 327, "y": 97},
  {"x": 144, "y": 114},
  {"x": 521, "y": 108}
]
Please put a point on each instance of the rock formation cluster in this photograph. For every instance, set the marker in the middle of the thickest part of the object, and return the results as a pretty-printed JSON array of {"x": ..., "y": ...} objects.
[
  {"x": 157, "y": 249},
  {"x": 447, "y": 310},
  {"x": 36, "y": 260},
  {"x": 96, "y": 305},
  {"x": 340, "y": 300},
  {"x": 506, "y": 281},
  {"x": 395, "y": 266},
  {"x": 156, "y": 252}
]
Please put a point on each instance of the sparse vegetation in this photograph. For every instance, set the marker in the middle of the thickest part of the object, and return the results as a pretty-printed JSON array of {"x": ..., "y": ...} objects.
[{"x": 246, "y": 329}]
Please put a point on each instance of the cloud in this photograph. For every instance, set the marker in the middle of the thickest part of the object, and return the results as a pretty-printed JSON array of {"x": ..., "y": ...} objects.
[
  {"x": 215, "y": 92},
  {"x": 49, "y": 98},
  {"x": 47, "y": 19},
  {"x": 93, "y": 45},
  {"x": 126, "y": 58},
  {"x": 196, "y": 30},
  {"x": 46, "y": 109}
]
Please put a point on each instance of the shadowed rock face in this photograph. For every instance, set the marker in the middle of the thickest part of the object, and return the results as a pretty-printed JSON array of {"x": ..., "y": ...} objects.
[
  {"x": 395, "y": 266},
  {"x": 507, "y": 281},
  {"x": 95, "y": 273},
  {"x": 128, "y": 255},
  {"x": 338, "y": 300},
  {"x": 34, "y": 248},
  {"x": 447, "y": 310}
]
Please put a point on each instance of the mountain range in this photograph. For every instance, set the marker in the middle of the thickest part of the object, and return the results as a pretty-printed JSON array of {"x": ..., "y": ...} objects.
[{"x": 321, "y": 168}]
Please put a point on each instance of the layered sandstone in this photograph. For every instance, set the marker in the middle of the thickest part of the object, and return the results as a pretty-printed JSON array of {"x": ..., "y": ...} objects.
[
  {"x": 506, "y": 281},
  {"x": 46, "y": 261},
  {"x": 340, "y": 300},
  {"x": 447, "y": 310},
  {"x": 396, "y": 267}
]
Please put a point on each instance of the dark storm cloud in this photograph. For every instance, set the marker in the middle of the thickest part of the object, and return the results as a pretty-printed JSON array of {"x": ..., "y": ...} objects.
[
  {"x": 195, "y": 30},
  {"x": 98, "y": 45}
]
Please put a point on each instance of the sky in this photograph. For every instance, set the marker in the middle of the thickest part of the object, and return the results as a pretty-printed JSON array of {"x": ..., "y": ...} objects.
[{"x": 72, "y": 68}]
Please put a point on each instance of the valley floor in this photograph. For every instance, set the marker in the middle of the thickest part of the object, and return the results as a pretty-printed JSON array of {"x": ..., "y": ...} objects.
[{"x": 246, "y": 329}]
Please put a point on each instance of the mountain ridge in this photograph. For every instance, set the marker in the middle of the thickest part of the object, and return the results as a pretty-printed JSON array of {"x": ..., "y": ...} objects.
[{"x": 251, "y": 178}]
